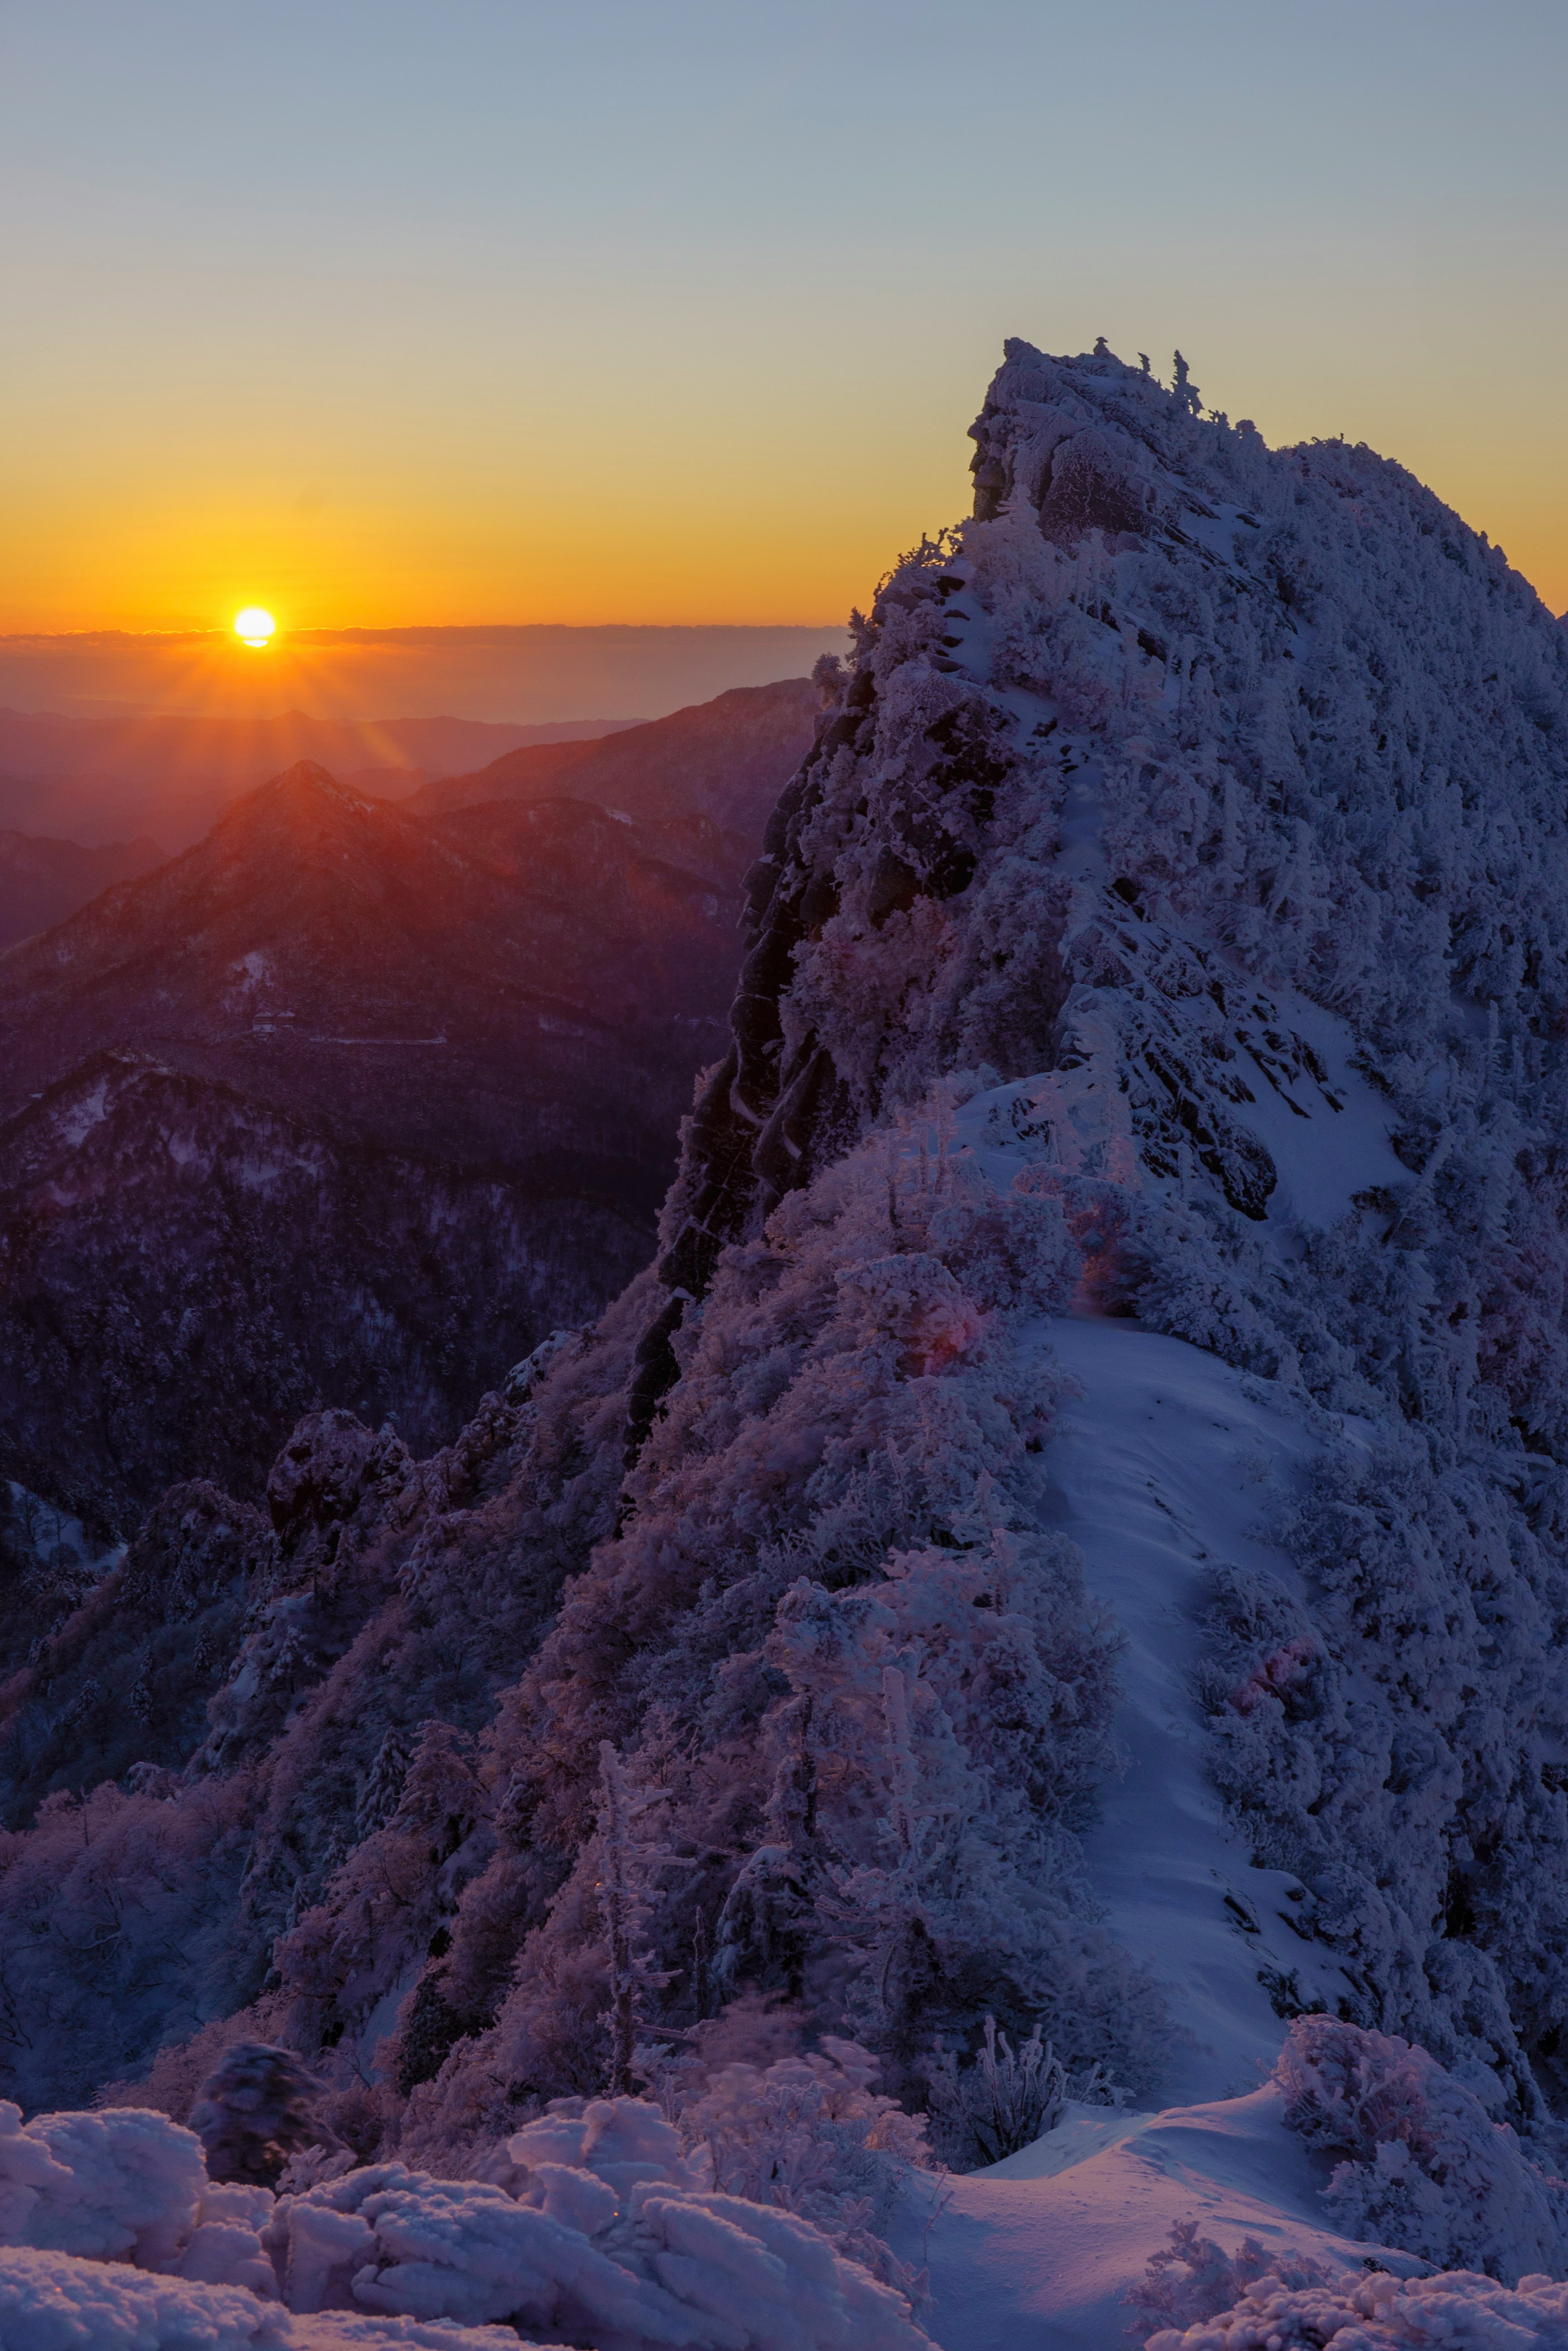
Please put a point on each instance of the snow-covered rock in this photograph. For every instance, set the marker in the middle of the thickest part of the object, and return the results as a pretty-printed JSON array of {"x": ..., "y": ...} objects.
[
  {"x": 53, "y": 2302},
  {"x": 608, "y": 2240}
]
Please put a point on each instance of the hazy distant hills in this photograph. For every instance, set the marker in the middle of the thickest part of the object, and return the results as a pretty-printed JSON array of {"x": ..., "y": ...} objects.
[
  {"x": 315, "y": 936},
  {"x": 534, "y": 674},
  {"x": 93, "y": 780},
  {"x": 42, "y": 881},
  {"x": 352, "y": 1103},
  {"x": 723, "y": 758}
]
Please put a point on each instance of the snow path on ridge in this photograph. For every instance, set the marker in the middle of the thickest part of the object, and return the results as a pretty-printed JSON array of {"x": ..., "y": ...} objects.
[
  {"x": 1158, "y": 1472},
  {"x": 1038, "y": 2254}
]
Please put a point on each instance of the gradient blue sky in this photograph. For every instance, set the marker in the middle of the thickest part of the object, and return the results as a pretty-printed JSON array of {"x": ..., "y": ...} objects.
[{"x": 486, "y": 310}]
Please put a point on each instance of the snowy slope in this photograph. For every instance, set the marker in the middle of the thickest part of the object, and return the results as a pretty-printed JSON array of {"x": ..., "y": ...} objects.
[
  {"x": 1038, "y": 2252},
  {"x": 1159, "y": 1470}
]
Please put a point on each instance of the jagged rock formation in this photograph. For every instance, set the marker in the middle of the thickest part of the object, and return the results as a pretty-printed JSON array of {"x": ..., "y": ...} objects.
[{"x": 1166, "y": 926}]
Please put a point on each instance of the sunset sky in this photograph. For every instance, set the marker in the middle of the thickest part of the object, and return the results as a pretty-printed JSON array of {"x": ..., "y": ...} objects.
[{"x": 658, "y": 310}]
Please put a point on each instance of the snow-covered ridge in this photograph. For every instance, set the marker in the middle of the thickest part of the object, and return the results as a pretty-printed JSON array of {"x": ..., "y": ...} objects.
[{"x": 1072, "y": 1530}]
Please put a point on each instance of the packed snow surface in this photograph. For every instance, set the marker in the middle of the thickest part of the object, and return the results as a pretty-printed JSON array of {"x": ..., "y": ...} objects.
[
  {"x": 1038, "y": 2252},
  {"x": 1158, "y": 1470}
]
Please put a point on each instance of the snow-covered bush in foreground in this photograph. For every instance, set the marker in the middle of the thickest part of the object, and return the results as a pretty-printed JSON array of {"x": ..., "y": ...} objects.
[
  {"x": 1009, "y": 2096},
  {"x": 807, "y": 2133},
  {"x": 1379, "y": 2313},
  {"x": 128, "y": 2186},
  {"x": 1192, "y": 2278},
  {"x": 53, "y": 2302},
  {"x": 609, "y": 2240},
  {"x": 605, "y": 2236},
  {"x": 1423, "y": 2165}
]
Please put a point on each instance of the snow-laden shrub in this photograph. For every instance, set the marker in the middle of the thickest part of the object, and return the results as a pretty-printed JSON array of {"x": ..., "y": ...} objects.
[
  {"x": 1423, "y": 2165},
  {"x": 608, "y": 2240},
  {"x": 1192, "y": 2278},
  {"x": 1379, "y": 2313},
  {"x": 128, "y": 2186},
  {"x": 604, "y": 2235},
  {"x": 1007, "y": 2097},
  {"x": 833, "y": 1630},
  {"x": 255, "y": 2110},
  {"x": 807, "y": 2132},
  {"x": 54, "y": 2302}
]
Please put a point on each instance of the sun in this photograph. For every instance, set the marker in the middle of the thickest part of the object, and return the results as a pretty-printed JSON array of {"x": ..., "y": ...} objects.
[{"x": 253, "y": 626}]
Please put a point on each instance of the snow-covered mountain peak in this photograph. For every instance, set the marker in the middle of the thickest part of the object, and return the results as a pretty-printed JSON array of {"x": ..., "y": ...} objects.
[
  {"x": 1207, "y": 802},
  {"x": 1072, "y": 1531}
]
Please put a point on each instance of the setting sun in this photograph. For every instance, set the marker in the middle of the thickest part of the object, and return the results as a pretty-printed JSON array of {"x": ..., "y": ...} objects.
[{"x": 253, "y": 626}]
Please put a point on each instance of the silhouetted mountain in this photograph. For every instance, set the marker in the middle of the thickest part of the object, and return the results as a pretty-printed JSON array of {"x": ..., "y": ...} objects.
[
  {"x": 337, "y": 1106},
  {"x": 729, "y": 758},
  {"x": 90, "y": 779},
  {"x": 43, "y": 882}
]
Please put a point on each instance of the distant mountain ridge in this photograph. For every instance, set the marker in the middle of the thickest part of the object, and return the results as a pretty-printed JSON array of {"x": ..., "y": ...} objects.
[
  {"x": 43, "y": 882},
  {"x": 493, "y": 1013},
  {"x": 719, "y": 757},
  {"x": 172, "y": 776}
]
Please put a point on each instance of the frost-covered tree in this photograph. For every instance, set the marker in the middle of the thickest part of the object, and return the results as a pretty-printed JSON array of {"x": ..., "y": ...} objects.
[{"x": 257, "y": 2108}]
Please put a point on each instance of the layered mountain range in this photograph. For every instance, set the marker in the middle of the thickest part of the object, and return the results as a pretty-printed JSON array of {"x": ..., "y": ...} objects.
[
  {"x": 1068, "y": 1532},
  {"x": 719, "y": 759},
  {"x": 172, "y": 777},
  {"x": 343, "y": 1104},
  {"x": 43, "y": 882}
]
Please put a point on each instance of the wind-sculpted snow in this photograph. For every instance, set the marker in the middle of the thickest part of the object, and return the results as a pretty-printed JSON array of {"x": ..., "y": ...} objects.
[
  {"x": 111, "y": 2234},
  {"x": 49, "y": 2302},
  {"x": 1382, "y": 2313},
  {"x": 128, "y": 2187},
  {"x": 609, "y": 2240}
]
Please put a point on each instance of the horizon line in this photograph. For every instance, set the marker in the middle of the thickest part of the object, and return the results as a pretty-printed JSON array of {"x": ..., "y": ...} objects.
[{"x": 473, "y": 628}]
